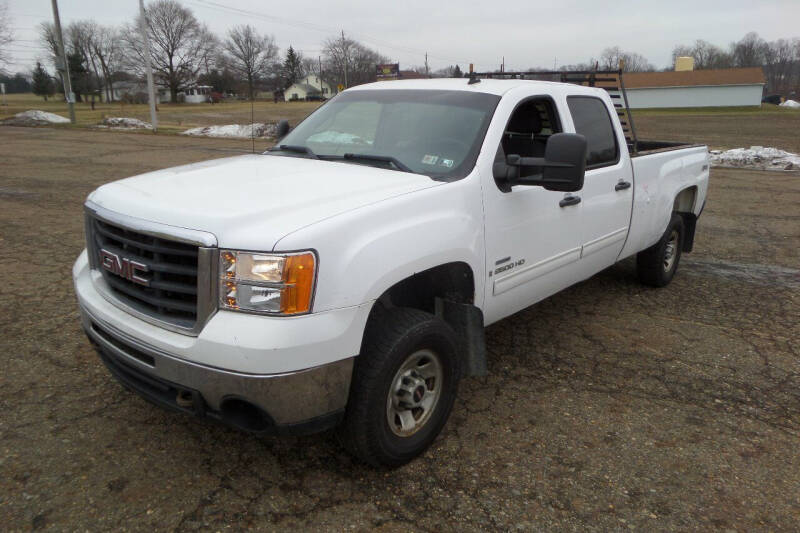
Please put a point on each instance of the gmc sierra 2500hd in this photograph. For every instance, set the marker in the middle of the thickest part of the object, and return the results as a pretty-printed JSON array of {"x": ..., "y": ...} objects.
[{"x": 345, "y": 277}]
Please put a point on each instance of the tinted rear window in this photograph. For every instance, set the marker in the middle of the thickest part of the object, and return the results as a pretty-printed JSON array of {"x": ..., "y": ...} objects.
[{"x": 591, "y": 119}]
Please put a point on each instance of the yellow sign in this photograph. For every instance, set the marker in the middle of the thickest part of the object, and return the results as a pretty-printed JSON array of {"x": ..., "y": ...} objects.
[{"x": 340, "y": 87}]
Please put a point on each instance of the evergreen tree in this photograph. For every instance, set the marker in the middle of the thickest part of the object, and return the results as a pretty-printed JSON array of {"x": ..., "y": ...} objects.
[
  {"x": 42, "y": 83},
  {"x": 292, "y": 67},
  {"x": 78, "y": 74},
  {"x": 457, "y": 72}
]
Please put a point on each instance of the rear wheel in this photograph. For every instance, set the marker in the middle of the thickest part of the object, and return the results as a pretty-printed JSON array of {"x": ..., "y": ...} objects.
[
  {"x": 656, "y": 266},
  {"x": 403, "y": 388}
]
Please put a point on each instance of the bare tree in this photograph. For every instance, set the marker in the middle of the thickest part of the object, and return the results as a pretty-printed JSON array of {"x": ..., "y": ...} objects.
[
  {"x": 310, "y": 65},
  {"x": 48, "y": 39},
  {"x": 98, "y": 46},
  {"x": 749, "y": 51},
  {"x": 107, "y": 49},
  {"x": 632, "y": 62},
  {"x": 6, "y": 34},
  {"x": 180, "y": 45},
  {"x": 452, "y": 71},
  {"x": 705, "y": 54},
  {"x": 251, "y": 55},
  {"x": 681, "y": 50},
  {"x": 780, "y": 64},
  {"x": 81, "y": 37},
  {"x": 346, "y": 58}
]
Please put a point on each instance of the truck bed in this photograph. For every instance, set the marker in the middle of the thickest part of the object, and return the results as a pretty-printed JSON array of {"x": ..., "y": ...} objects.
[
  {"x": 660, "y": 171},
  {"x": 652, "y": 147}
]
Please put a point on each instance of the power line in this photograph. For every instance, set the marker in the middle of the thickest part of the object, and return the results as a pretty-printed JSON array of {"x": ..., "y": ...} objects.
[
  {"x": 318, "y": 27},
  {"x": 13, "y": 15},
  {"x": 36, "y": 47}
]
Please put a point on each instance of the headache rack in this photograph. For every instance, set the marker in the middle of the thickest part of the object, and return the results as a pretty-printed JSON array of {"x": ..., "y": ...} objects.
[{"x": 609, "y": 80}]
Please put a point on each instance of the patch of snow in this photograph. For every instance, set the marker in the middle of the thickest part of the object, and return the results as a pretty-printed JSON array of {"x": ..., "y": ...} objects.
[
  {"x": 337, "y": 137},
  {"x": 34, "y": 117},
  {"x": 756, "y": 157},
  {"x": 234, "y": 130},
  {"x": 125, "y": 123},
  {"x": 791, "y": 103}
]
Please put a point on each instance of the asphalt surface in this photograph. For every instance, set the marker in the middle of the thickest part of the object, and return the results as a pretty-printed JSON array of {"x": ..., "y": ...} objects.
[{"x": 609, "y": 406}]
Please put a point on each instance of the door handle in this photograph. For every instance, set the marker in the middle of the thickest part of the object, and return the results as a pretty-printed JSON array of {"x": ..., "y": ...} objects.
[
  {"x": 622, "y": 185},
  {"x": 569, "y": 200}
]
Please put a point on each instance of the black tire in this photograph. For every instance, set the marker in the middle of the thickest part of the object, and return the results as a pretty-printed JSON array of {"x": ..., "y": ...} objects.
[
  {"x": 656, "y": 266},
  {"x": 391, "y": 339}
]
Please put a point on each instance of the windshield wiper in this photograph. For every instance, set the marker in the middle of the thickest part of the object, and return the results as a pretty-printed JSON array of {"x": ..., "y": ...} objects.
[
  {"x": 294, "y": 148},
  {"x": 382, "y": 158}
]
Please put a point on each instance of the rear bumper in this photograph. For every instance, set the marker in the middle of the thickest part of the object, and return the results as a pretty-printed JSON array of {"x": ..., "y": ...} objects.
[{"x": 291, "y": 403}]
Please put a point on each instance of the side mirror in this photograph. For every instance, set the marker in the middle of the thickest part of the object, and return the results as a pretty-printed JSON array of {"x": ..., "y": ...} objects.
[
  {"x": 282, "y": 129},
  {"x": 563, "y": 165}
]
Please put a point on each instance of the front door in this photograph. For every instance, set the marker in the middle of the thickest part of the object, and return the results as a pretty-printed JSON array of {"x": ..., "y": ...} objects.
[{"x": 532, "y": 235}]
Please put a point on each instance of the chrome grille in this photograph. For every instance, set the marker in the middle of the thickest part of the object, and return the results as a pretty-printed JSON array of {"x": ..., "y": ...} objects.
[{"x": 175, "y": 289}]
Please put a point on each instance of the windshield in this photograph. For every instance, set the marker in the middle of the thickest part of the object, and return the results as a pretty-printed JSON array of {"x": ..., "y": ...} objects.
[{"x": 436, "y": 133}]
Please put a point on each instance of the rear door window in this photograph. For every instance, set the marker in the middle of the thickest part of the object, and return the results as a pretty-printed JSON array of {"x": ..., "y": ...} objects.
[{"x": 591, "y": 119}]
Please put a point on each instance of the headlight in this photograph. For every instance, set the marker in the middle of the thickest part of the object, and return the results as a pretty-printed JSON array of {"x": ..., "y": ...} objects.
[{"x": 276, "y": 284}]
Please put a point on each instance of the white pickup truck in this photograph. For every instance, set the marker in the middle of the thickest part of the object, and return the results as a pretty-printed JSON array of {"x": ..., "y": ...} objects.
[{"x": 345, "y": 277}]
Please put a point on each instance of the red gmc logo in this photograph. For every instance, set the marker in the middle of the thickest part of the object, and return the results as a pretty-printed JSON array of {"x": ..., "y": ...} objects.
[{"x": 124, "y": 267}]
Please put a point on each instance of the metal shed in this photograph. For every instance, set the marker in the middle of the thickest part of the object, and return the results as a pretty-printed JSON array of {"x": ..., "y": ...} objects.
[{"x": 695, "y": 88}]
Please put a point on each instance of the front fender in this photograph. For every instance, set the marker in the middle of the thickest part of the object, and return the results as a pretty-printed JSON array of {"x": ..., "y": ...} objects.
[{"x": 365, "y": 251}]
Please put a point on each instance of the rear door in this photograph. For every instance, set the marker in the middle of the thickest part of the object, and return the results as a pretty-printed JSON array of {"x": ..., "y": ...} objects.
[{"x": 607, "y": 195}]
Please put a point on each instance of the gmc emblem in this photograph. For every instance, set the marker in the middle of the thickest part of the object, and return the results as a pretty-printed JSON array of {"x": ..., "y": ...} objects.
[{"x": 124, "y": 267}]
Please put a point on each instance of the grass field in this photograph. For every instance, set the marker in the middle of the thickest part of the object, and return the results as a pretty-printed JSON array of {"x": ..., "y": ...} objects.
[
  {"x": 172, "y": 118},
  {"x": 723, "y": 128},
  {"x": 720, "y": 128}
]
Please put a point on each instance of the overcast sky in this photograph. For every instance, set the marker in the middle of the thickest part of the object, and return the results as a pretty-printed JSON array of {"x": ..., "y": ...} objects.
[{"x": 528, "y": 33}]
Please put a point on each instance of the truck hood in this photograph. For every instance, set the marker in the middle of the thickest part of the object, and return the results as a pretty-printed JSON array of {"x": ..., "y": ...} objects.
[{"x": 252, "y": 201}]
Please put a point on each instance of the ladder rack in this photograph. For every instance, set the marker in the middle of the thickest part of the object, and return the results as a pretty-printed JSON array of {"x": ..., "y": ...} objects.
[{"x": 609, "y": 80}]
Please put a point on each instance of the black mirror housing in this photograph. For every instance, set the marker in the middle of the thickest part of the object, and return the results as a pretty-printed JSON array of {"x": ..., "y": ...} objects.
[
  {"x": 568, "y": 151},
  {"x": 282, "y": 129},
  {"x": 563, "y": 165}
]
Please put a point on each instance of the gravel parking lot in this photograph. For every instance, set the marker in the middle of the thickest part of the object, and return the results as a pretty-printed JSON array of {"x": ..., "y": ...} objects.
[{"x": 608, "y": 406}]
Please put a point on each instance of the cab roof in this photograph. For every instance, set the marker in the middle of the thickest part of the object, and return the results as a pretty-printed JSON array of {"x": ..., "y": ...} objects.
[{"x": 488, "y": 86}]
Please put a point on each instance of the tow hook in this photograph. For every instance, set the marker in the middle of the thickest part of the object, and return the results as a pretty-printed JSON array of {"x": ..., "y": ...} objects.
[{"x": 184, "y": 399}]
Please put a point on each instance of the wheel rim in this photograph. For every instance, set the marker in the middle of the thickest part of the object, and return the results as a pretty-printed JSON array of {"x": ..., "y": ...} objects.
[
  {"x": 414, "y": 393},
  {"x": 671, "y": 251}
]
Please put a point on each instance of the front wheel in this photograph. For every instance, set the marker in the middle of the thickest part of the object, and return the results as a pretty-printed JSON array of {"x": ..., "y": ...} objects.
[
  {"x": 656, "y": 266},
  {"x": 403, "y": 388}
]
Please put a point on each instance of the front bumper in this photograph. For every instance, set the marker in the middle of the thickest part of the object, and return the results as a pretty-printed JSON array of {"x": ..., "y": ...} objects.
[
  {"x": 263, "y": 374},
  {"x": 294, "y": 403}
]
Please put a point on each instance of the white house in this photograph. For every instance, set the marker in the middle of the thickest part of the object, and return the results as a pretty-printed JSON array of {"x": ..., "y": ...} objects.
[
  {"x": 198, "y": 94},
  {"x": 312, "y": 87},
  {"x": 695, "y": 88}
]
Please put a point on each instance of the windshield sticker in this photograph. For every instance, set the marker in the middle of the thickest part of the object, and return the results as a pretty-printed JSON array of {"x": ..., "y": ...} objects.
[
  {"x": 447, "y": 163},
  {"x": 430, "y": 159}
]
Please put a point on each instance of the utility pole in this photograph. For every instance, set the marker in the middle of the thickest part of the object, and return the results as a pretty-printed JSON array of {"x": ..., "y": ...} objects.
[
  {"x": 344, "y": 51},
  {"x": 68, "y": 94},
  {"x": 151, "y": 90},
  {"x": 427, "y": 73}
]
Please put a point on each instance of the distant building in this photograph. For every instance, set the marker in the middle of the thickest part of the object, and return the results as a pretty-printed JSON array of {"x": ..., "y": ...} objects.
[
  {"x": 197, "y": 94},
  {"x": 684, "y": 63},
  {"x": 136, "y": 92},
  {"x": 695, "y": 88},
  {"x": 312, "y": 87}
]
